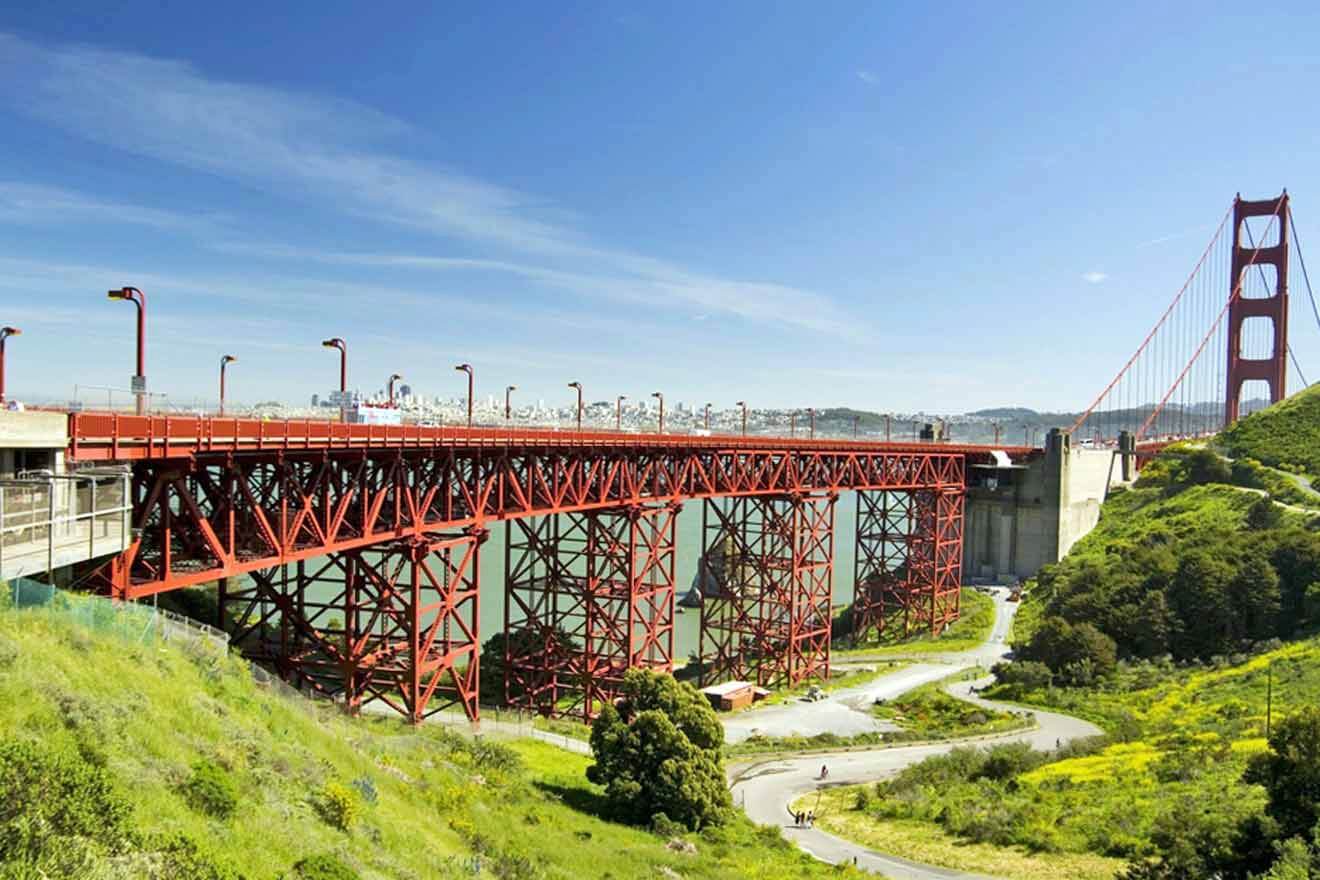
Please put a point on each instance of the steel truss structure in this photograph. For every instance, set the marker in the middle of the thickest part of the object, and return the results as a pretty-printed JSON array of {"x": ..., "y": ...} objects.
[
  {"x": 588, "y": 596},
  {"x": 325, "y": 522},
  {"x": 767, "y": 579},
  {"x": 908, "y": 565},
  {"x": 396, "y": 623}
]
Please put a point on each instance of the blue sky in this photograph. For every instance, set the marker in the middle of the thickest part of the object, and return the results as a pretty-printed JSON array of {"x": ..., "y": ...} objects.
[{"x": 888, "y": 206}]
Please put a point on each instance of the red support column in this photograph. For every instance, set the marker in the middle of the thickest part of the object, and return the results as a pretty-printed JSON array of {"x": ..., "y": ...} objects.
[
  {"x": 395, "y": 623},
  {"x": 1273, "y": 369},
  {"x": 767, "y": 583},
  {"x": 908, "y": 573},
  {"x": 588, "y": 596}
]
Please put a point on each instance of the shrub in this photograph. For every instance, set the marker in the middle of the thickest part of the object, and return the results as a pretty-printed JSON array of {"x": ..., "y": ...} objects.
[
  {"x": 211, "y": 790},
  {"x": 48, "y": 793},
  {"x": 181, "y": 859},
  {"x": 339, "y": 805},
  {"x": 323, "y": 867},
  {"x": 1024, "y": 675},
  {"x": 367, "y": 789},
  {"x": 659, "y": 751}
]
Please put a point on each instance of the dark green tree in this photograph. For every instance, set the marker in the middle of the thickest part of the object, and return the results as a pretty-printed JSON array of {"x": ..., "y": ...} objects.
[
  {"x": 1290, "y": 773},
  {"x": 1254, "y": 594},
  {"x": 1263, "y": 515},
  {"x": 658, "y": 751}
]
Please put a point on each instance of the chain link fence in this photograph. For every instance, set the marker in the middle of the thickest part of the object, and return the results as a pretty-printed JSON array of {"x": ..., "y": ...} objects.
[{"x": 131, "y": 622}]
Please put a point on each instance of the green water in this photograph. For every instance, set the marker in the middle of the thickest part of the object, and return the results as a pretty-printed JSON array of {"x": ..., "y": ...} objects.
[
  {"x": 687, "y": 621},
  {"x": 687, "y": 553}
]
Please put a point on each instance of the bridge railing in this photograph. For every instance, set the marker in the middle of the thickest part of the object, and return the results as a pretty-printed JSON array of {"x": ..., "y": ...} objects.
[
  {"x": 51, "y": 520},
  {"x": 114, "y": 436}
]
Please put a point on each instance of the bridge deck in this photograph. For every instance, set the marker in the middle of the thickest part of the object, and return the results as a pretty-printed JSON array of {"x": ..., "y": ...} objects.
[{"x": 114, "y": 437}]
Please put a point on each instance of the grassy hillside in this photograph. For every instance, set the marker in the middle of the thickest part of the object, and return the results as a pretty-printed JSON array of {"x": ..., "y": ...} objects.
[
  {"x": 1176, "y": 736},
  {"x": 216, "y": 777},
  {"x": 975, "y": 620},
  {"x": 1286, "y": 435},
  {"x": 1163, "y": 626}
]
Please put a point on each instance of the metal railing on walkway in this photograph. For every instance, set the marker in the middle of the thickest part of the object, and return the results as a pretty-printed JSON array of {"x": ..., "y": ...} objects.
[{"x": 50, "y": 520}]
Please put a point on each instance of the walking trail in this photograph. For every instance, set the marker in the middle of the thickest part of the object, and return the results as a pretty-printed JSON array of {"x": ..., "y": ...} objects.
[{"x": 765, "y": 788}]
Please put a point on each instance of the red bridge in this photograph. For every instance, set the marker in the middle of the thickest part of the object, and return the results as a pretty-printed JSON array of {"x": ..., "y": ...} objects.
[
  {"x": 389, "y": 521},
  {"x": 347, "y": 554}
]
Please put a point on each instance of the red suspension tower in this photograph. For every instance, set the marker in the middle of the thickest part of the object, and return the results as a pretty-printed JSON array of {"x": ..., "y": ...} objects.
[{"x": 1246, "y": 257}]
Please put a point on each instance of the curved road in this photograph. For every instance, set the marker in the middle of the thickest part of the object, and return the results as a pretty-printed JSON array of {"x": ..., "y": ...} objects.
[{"x": 765, "y": 789}]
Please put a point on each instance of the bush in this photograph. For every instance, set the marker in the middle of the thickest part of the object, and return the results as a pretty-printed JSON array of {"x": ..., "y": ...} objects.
[
  {"x": 48, "y": 793},
  {"x": 339, "y": 805},
  {"x": 323, "y": 867},
  {"x": 1023, "y": 675},
  {"x": 211, "y": 790},
  {"x": 659, "y": 751}
]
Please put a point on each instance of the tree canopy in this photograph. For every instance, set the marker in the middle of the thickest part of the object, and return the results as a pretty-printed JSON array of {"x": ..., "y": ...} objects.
[{"x": 658, "y": 752}]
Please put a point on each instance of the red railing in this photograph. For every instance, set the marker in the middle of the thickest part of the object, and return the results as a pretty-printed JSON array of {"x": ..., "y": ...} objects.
[{"x": 115, "y": 437}]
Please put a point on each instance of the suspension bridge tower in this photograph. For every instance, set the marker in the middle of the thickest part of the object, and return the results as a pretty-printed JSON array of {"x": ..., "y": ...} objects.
[{"x": 1254, "y": 256}]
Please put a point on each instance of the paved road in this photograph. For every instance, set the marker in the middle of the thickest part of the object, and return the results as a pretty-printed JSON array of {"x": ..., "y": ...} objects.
[
  {"x": 846, "y": 711},
  {"x": 765, "y": 789}
]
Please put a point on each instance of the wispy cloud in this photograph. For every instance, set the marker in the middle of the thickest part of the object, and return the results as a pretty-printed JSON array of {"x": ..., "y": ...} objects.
[
  {"x": 37, "y": 204},
  {"x": 1094, "y": 277},
  {"x": 337, "y": 153},
  {"x": 868, "y": 77}
]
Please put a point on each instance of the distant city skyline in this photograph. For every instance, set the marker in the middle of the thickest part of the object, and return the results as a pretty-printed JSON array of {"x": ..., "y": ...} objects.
[{"x": 884, "y": 207}]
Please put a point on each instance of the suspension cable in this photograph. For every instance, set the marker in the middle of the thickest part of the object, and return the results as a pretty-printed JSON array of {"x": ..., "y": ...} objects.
[
  {"x": 1233, "y": 297},
  {"x": 1195, "y": 271},
  {"x": 1297, "y": 246}
]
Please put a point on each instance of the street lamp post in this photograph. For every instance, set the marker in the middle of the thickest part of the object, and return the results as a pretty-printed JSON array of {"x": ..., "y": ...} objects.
[
  {"x": 394, "y": 377},
  {"x": 887, "y": 418},
  {"x": 811, "y": 413},
  {"x": 139, "y": 299},
  {"x": 467, "y": 368},
  {"x": 708, "y": 417},
  {"x": 618, "y": 412},
  {"x": 792, "y": 424},
  {"x": 5, "y": 333},
  {"x": 224, "y": 362},
  {"x": 743, "y": 404},
  {"x": 508, "y": 401},
  {"x": 857, "y": 421},
  {"x": 336, "y": 342},
  {"x": 659, "y": 396},
  {"x": 578, "y": 418}
]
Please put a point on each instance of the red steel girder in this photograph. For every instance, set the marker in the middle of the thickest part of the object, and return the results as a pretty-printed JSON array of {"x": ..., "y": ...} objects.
[
  {"x": 395, "y": 623},
  {"x": 209, "y": 517},
  {"x": 908, "y": 564},
  {"x": 767, "y": 584},
  {"x": 588, "y": 596}
]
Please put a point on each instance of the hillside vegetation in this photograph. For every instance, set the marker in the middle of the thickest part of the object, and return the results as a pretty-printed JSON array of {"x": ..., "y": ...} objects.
[
  {"x": 122, "y": 760},
  {"x": 1184, "y": 625},
  {"x": 1285, "y": 436}
]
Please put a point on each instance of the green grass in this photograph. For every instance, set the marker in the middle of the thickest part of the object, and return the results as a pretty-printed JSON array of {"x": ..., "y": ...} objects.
[
  {"x": 926, "y": 714},
  {"x": 915, "y": 840},
  {"x": 1285, "y": 436},
  {"x": 970, "y": 630},
  {"x": 154, "y": 712},
  {"x": 931, "y": 713}
]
